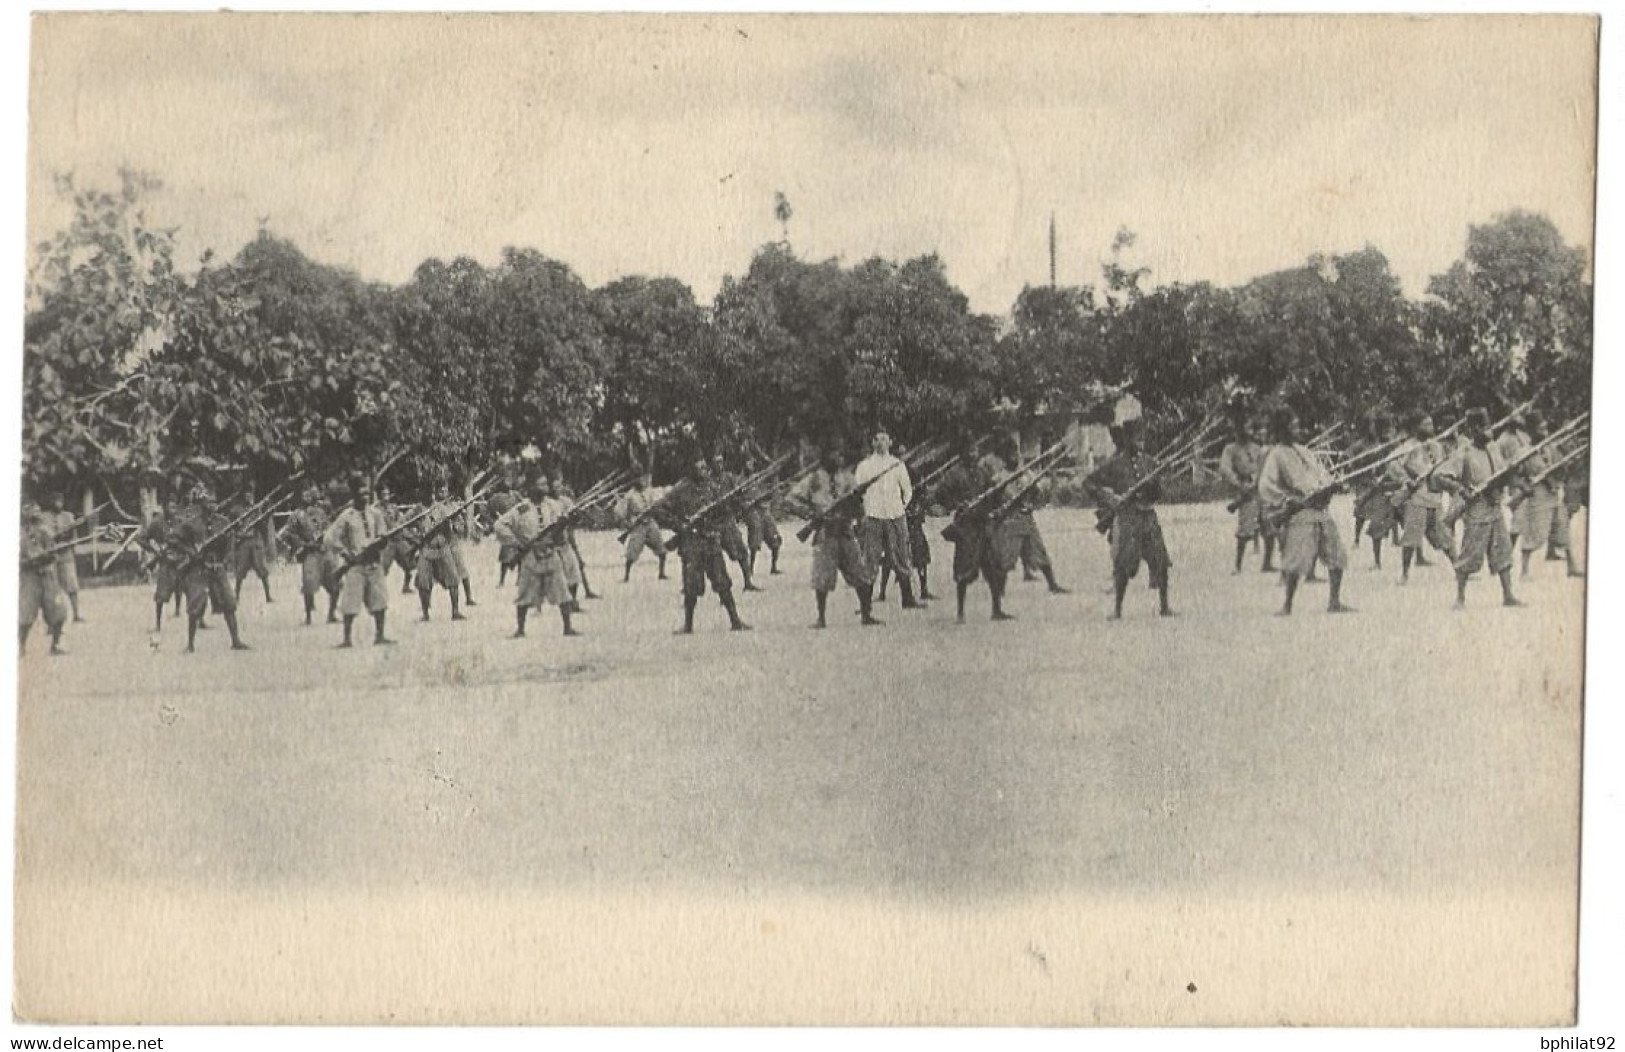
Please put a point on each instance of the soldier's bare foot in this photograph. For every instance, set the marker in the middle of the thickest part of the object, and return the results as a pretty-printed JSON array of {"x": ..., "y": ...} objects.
[
  {"x": 459, "y": 617},
  {"x": 819, "y": 624},
  {"x": 190, "y": 649},
  {"x": 928, "y": 596},
  {"x": 1283, "y": 612},
  {"x": 682, "y": 631},
  {"x": 1115, "y": 616},
  {"x": 240, "y": 646},
  {"x": 470, "y": 602},
  {"x": 346, "y": 645},
  {"x": 1002, "y": 616},
  {"x": 914, "y": 605},
  {"x": 571, "y": 632},
  {"x": 740, "y": 626},
  {"x": 1576, "y": 573},
  {"x": 752, "y": 588},
  {"x": 382, "y": 642},
  {"x": 1339, "y": 608},
  {"x": 1511, "y": 601},
  {"x": 518, "y": 635},
  {"x": 1056, "y": 589},
  {"x": 425, "y": 617},
  {"x": 57, "y": 651},
  {"x": 873, "y": 621},
  {"x": 1166, "y": 612},
  {"x": 1461, "y": 604}
]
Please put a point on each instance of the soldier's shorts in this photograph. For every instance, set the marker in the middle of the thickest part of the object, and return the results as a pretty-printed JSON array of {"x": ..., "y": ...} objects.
[
  {"x": 840, "y": 555},
  {"x": 733, "y": 543},
  {"x": 459, "y": 565},
  {"x": 541, "y": 579},
  {"x": 508, "y": 555},
  {"x": 1247, "y": 520},
  {"x": 1312, "y": 534},
  {"x": 436, "y": 568},
  {"x": 313, "y": 573},
  {"x": 1136, "y": 539},
  {"x": 165, "y": 583},
  {"x": 249, "y": 556},
  {"x": 570, "y": 566},
  {"x": 364, "y": 586},
  {"x": 40, "y": 593},
  {"x": 1560, "y": 523},
  {"x": 1376, "y": 507},
  {"x": 67, "y": 573},
  {"x": 1023, "y": 531},
  {"x": 885, "y": 543},
  {"x": 1484, "y": 537},
  {"x": 919, "y": 545},
  {"x": 209, "y": 587},
  {"x": 1424, "y": 523},
  {"x": 1535, "y": 520},
  {"x": 981, "y": 550},
  {"x": 760, "y": 528},
  {"x": 703, "y": 563},
  {"x": 647, "y": 535}
]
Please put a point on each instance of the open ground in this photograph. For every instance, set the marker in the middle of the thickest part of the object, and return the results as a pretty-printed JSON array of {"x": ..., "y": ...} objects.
[{"x": 1222, "y": 817}]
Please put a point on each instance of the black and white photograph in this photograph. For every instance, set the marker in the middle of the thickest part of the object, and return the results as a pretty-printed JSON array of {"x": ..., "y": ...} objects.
[{"x": 753, "y": 519}]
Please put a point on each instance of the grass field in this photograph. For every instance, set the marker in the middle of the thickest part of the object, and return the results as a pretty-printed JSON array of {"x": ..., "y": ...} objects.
[{"x": 1221, "y": 817}]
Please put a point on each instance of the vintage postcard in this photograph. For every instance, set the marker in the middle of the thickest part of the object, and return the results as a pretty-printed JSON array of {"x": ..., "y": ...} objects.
[{"x": 783, "y": 519}]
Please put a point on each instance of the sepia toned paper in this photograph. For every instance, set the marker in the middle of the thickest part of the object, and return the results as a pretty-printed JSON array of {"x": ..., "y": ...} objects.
[{"x": 1226, "y": 820}]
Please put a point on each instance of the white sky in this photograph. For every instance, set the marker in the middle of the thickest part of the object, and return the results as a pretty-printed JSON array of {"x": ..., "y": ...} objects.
[{"x": 655, "y": 144}]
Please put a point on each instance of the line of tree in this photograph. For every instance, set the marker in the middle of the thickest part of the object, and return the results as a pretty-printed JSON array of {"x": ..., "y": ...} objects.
[{"x": 275, "y": 363}]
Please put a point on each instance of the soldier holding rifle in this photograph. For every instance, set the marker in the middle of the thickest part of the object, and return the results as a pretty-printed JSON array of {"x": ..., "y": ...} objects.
[
  {"x": 435, "y": 561},
  {"x": 531, "y": 530},
  {"x": 1020, "y": 525},
  {"x": 699, "y": 515},
  {"x": 1478, "y": 475},
  {"x": 203, "y": 537},
  {"x": 1131, "y": 486},
  {"x": 39, "y": 591},
  {"x": 832, "y": 503},
  {"x": 1296, "y": 489},
  {"x": 360, "y": 536},
  {"x": 1239, "y": 462},
  {"x": 982, "y": 545},
  {"x": 1422, "y": 508},
  {"x": 61, "y": 524},
  {"x": 641, "y": 530},
  {"x": 316, "y": 564}
]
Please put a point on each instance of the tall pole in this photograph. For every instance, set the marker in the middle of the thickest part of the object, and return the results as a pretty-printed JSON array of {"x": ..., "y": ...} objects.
[{"x": 1052, "y": 250}]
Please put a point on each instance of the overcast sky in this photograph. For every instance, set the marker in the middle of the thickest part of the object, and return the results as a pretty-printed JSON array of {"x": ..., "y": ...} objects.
[{"x": 654, "y": 145}]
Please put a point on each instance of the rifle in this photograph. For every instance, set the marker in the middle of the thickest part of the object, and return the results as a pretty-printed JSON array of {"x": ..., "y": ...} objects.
[
  {"x": 614, "y": 480},
  {"x": 1411, "y": 487},
  {"x": 1525, "y": 492},
  {"x": 984, "y": 503},
  {"x": 926, "y": 487},
  {"x": 1041, "y": 466},
  {"x": 252, "y": 517},
  {"x": 445, "y": 523},
  {"x": 1106, "y": 514},
  {"x": 81, "y": 520},
  {"x": 1507, "y": 470},
  {"x": 554, "y": 531},
  {"x": 1277, "y": 517},
  {"x": 48, "y": 556},
  {"x": 693, "y": 521},
  {"x": 376, "y": 546}
]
